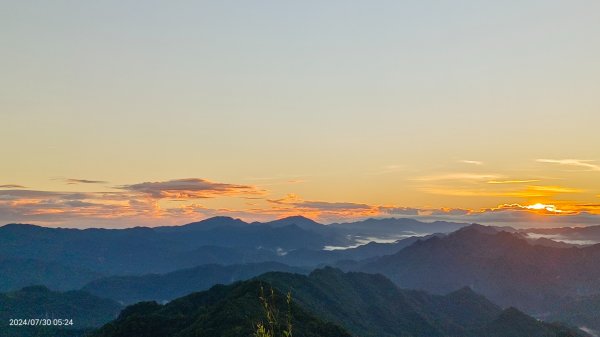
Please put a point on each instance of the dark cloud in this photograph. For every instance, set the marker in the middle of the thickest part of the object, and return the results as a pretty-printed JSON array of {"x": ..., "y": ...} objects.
[
  {"x": 322, "y": 205},
  {"x": 79, "y": 203},
  {"x": 450, "y": 211},
  {"x": 58, "y": 210},
  {"x": 292, "y": 200},
  {"x": 34, "y": 194},
  {"x": 399, "y": 210},
  {"x": 12, "y": 186},
  {"x": 191, "y": 188},
  {"x": 72, "y": 181},
  {"x": 27, "y": 194}
]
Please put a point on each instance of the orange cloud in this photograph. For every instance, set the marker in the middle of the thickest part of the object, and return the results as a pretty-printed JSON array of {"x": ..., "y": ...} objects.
[
  {"x": 136, "y": 202},
  {"x": 292, "y": 204},
  {"x": 538, "y": 208},
  {"x": 152, "y": 203}
]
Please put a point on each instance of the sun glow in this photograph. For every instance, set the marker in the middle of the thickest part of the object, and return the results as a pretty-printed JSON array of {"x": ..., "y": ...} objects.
[{"x": 540, "y": 206}]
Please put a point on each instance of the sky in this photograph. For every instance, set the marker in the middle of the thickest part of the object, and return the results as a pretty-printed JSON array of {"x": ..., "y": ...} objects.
[{"x": 121, "y": 113}]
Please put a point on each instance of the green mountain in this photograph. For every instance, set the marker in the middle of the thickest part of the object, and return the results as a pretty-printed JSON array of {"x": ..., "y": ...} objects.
[
  {"x": 371, "y": 305},
  {"x": 222, "y": 311},
  {"x": 365, "y": 305}
]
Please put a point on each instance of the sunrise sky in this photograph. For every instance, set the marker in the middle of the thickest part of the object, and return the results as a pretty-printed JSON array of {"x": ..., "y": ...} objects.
[{"x": 123, "y": 113}]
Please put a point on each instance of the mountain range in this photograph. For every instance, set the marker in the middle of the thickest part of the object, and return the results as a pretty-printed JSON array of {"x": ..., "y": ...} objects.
[
  {"x": 347, "y": 304},
  {"x": 503, "y": 266},
  {"x": 522, "y": 275},
  {"x": 92, "y": 253}
]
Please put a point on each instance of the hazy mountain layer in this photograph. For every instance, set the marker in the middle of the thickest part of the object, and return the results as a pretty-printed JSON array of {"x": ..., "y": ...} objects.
[
  {"x": 165, "y": 287},
  {"x": 85, "y": 310},
  {"x": 18, "y": 273},
  {"x": 502, "y": 266}
]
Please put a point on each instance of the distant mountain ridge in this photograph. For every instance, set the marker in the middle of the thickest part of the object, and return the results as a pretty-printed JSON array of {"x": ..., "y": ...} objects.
[
  {"x": 143, "y": 250},
  {"x": 207, "y": 224},
  {"x": 583, "y": 234},
  {"x": 395, "y": 226}
]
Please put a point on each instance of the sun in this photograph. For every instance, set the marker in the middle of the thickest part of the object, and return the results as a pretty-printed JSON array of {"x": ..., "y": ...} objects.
[{"x": 540, "y": 206}]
